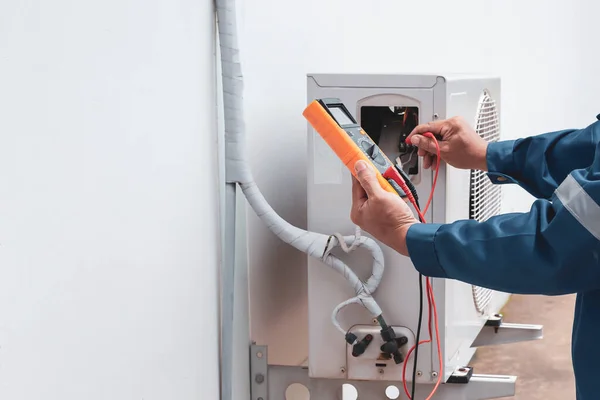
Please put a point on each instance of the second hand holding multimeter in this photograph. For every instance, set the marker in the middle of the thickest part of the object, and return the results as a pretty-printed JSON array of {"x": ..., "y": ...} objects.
[{"x": 330, "y": 118}]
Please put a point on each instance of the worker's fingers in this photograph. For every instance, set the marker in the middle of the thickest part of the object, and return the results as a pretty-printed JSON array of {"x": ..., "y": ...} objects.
[
  {"x": 423, "y": 143},
  {"x": 367, "y": 178},
  {"x": 358, "y": 193},
  {"x": 359, "y": 197},
  {"x": 434, "y": 127},
  {"x": 428, "y": 160}
]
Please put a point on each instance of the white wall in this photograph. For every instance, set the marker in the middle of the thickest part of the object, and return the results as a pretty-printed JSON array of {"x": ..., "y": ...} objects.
[
  {"x": 588, "y": 61},
  {"x": 108, "y": 181},
  {"x": 543, "y": 51}
]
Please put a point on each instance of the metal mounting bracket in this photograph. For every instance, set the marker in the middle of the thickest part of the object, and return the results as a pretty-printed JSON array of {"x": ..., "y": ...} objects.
[
  {"x": 270, "y": 382},
  {"x": 496, "y": 332},
  {"x": 259, "y": 374}
]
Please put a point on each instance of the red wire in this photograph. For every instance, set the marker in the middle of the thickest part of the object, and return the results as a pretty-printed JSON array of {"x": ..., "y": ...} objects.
[
  {"x": 437, "y": 169},
  {"x": 439, "y": 345},
  {"x": 404, "y": 366},
  {"x": 430, "y": 295},
  {"x": 430, "y": 311}
]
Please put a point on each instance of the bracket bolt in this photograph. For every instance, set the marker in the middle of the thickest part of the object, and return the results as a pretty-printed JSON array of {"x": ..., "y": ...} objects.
[
  {"x": 260, "y": 378},
  {"x": 434, "y": 374}
]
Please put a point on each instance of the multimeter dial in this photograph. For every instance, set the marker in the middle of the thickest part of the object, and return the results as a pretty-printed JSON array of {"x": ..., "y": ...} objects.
[{"x": 372, "y": 151}]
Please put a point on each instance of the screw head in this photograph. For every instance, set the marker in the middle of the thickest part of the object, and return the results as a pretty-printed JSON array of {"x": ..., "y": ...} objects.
[
  {"x": 259, "y": 354},
  {"x": 419, "y": 373},
  {"x": 436, "y": 116},
  {"x": 260, "y": 378},
  {"x": 375, "y": 321},
  {"x": 343, "y": 370},
  {"x": 434, "y": 374},
  {"x": 381, "y": 370}
]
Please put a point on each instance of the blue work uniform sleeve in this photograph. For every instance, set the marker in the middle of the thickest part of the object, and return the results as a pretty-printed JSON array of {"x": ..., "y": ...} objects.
[
  {"x": 553, "y": 249},
  {"x": 539, "y": 163}
]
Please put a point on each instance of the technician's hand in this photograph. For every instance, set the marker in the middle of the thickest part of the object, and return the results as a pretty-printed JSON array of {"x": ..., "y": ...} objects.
[
  {"x": 460, "y": 145},
  {"x": 382, "y": 214}
]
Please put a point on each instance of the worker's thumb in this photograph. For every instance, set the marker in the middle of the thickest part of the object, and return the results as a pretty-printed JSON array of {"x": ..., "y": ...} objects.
[
  {"x": 367, "y": 178},
  {"x": 423, "y": 143}
]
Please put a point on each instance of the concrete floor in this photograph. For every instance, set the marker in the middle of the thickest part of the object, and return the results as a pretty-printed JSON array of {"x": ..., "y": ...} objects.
[{"x": 543, "y": 367}]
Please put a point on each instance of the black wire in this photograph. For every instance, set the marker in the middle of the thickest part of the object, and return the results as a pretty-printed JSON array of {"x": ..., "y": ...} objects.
[
  {"x": 413, "y": 191},
  {"x": 414, "y": 375}
]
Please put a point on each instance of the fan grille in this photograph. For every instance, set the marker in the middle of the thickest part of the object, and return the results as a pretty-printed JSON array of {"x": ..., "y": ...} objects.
[{"x": 485, "y": 198}]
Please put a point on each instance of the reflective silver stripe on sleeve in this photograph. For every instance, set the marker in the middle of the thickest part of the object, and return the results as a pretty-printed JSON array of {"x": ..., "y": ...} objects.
[{"x": 580, "y": 205}]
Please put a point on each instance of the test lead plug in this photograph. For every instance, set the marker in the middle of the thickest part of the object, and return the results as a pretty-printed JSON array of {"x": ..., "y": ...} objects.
[{"x": 411, "y": 187}]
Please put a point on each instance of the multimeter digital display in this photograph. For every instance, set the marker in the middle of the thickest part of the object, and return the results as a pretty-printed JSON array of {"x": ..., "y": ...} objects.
[
  {"x": 339, "y": 114},
  {"x": 330, "y": 118}
]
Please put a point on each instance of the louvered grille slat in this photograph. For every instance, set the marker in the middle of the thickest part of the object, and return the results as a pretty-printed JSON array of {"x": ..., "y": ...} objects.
[{"x": 485, "y": 198}]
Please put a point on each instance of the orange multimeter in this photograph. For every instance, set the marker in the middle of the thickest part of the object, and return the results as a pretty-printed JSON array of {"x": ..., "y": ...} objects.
[{"x": 330, "y": 118}]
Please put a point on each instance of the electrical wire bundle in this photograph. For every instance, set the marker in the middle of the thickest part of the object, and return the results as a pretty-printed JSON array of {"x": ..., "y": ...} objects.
[{"x": 413, "y": 198}]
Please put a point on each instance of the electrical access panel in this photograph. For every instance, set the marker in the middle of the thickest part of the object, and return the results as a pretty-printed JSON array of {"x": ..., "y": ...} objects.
[{"x": 388, "y": 107}]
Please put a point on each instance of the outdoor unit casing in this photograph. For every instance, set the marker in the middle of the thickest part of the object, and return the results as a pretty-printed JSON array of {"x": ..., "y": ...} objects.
[{"x": 460, "y": 194}]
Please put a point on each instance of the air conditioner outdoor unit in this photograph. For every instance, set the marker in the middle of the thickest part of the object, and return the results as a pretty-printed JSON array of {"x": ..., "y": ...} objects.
[{"x": 388, "y": 107}]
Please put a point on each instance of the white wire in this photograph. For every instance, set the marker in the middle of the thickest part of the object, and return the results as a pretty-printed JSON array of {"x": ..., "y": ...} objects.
[
  {"x": 356, "y": 241},
  {"x": 336, "y": 311},
  {"x": 342, "y": 242}
]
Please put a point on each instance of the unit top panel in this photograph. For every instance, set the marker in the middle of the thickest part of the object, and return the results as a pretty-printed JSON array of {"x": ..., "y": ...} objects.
[{"x": 380, "y": 80}]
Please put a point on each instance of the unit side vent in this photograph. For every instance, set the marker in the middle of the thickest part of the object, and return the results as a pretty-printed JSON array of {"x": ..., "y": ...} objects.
[{"x": 485, "y": 198}]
